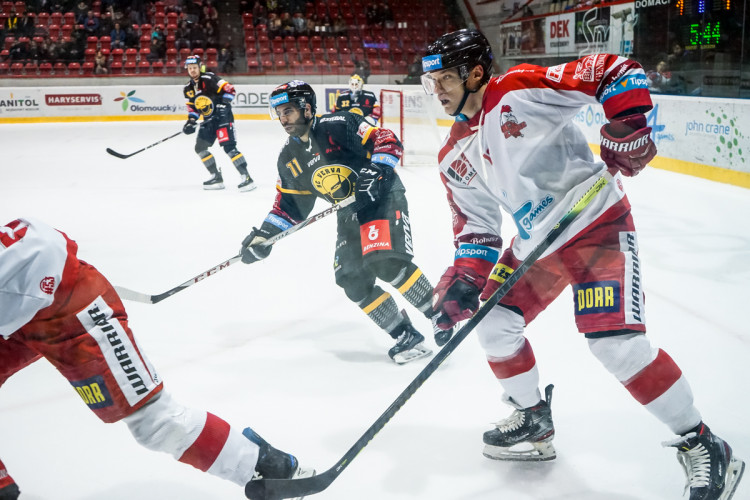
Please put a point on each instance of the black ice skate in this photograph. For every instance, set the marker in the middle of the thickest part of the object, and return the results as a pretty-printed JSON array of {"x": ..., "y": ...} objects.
[
  {"x": 441, "y": 336},
  {"x": 10, "y": 492},
  {"x": 247, "y": 184},
  {"x": 713, "y": 472},
  {"x": 526, "y": 435},
  {"x": 215, "y": 182},
  {"x": 410, "y": 343}
]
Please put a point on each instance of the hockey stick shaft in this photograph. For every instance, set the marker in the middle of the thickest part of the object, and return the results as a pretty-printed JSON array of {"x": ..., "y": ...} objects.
[
  {"x": 132, "y": 295},
  {"x": 123, "y": 156},
  {"x": 275, "y": 489}
]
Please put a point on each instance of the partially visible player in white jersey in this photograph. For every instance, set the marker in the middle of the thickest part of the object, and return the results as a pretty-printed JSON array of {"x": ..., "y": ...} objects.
[
  {"x": 358, "y": 100},
  {"x": 55, "y": 306},
  {"x": 515, "y": 148}
]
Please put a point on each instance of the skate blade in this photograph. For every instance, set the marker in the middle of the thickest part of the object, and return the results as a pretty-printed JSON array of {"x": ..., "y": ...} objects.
[
  {"x": 734, "y": 473},
  {"x": 213, "y": 187},
  {"x": 247, "y": 188},
  {"x": 522, "y": 452},
  {"x": 299, "y": 474},
  {"x": 416, "y": 352}
]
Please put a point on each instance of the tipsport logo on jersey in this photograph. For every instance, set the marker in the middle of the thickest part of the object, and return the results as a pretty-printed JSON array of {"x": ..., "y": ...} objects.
[{"x": 130, "y": 102}]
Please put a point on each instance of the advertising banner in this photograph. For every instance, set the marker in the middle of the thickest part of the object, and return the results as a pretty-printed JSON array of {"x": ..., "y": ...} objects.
[{"x": 560, "y": 34}]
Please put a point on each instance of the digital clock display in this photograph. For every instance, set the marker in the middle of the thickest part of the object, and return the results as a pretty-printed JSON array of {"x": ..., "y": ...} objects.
[{"x": 703, "y": 34}]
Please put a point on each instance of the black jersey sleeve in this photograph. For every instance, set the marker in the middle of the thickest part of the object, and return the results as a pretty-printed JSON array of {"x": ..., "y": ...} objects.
[{"x": 189, "y": 95}]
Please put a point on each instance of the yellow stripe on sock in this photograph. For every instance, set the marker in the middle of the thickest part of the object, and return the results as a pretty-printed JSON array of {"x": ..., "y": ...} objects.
[
  {"x": 413, "y": 279},
  {"x": 207, "y": 158},
  {"x": 375, "y": 303},
  {"x": 238, "y": 156}
]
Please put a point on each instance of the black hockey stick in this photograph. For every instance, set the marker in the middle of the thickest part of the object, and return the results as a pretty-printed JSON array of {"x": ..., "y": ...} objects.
[
  {"x": 275, "y": 489},
  {"x": 128, "y": 294},
  {"x": 122, "y": 156}
]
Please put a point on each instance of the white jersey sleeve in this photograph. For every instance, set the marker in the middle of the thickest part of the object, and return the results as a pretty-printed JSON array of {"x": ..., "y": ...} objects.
[{"x": 32, "y": 261}]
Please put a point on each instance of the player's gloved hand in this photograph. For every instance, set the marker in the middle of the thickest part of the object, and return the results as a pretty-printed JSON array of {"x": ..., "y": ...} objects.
[
  {"x": 627, "y": 145},
  {"x": 251, "y": 250},
  {"x": 373, "y": 183},
  {"x": 456, "y": 296},
  {"x": 221, "y": 112},
  {"x": 190, "y": 126}
]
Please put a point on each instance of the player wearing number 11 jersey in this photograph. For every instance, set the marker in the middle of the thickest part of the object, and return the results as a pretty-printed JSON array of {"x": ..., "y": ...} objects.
[{"x": 333, "y": 157}]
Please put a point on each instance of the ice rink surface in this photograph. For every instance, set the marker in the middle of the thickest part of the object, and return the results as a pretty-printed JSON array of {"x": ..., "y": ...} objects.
[{"x": 277, "y": 346}]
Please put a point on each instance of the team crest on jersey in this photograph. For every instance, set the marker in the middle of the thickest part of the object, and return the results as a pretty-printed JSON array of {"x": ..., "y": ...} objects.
[
  {"x": 509, "y": 123},
  {"x": 590, "y": 68},
  {"x": 461, "y": 170},
  {"x": 204, "y": 105},
  {"x": 334, "y": 182},
  {"x": 47, "y": 285}
]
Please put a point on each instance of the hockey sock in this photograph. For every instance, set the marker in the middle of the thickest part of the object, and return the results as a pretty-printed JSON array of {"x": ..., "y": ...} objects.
[
  {"x": 415, "y": 287},
  {"x": 209, "y": 161},
  {"x": 238, "y": 160},
  {"x": 5, "y": 479},
  {"x": 382, "y": 309}
]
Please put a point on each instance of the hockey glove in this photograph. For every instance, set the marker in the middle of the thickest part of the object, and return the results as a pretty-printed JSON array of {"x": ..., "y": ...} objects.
[
  {"x": 251, "y": 250},
  {"x": 221, "y": 112},
  {"x": 456, "y": 296},
  {"x": 627, "y": 145},
  {"x": 190, "y": 126},
  {"x": 373, "y": 183}
]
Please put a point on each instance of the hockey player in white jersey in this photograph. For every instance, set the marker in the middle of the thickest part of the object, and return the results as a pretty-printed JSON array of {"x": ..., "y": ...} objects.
[
  {"x": 514, "y": 148},
  {"x": 55, "y": 306}
]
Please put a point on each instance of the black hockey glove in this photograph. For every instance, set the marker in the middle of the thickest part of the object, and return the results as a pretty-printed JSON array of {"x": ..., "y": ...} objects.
[
  {"x": 251, "y": 250},
  {"x": 221, "y": 113},
  {"x": 190, "y": 126},
  {"x": 373, "y": 184}
]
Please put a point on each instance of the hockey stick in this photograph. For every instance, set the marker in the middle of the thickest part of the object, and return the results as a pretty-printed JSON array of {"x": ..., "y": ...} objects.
[
  {"x": 128, "y": 294},
  {"x": 274, "y": 489},
  {"x": 122, "y": 156}
]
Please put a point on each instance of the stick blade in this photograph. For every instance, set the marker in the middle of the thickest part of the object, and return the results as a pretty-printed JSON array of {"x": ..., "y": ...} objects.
[
  {"x": 276, "y": 489},
  {"x": 132, "y": 295},
  {"x": 116, "y": 154}
]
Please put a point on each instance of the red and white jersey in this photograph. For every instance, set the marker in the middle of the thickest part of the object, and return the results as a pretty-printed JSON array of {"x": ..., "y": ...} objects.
[
  {"x": 522, "y": 152},
  {"x": 34, "y": 261}
]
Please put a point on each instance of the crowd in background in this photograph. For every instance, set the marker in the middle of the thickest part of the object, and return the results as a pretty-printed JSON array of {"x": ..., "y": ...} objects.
[{"x": 125, "y": 22}]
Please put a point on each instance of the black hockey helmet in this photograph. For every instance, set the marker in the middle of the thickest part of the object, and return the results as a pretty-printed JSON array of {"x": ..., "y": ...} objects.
[
  {"x": 463, "y": 49},
  {"x": 195, "y": 59},
  {"x": 296, "y": 92}
]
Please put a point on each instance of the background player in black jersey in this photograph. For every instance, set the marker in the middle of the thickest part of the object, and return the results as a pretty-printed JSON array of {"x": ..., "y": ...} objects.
[
  {"x": 333, "y": 157},
  {"x": 360, "y": 101},
  {"x": 210, "y": 96}
]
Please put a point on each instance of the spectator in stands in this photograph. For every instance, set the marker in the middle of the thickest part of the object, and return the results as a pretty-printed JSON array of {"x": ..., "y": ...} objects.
[
  {"x": 226, "y": 60},
  {"x": 340, "y": 28},
  {"x": 53, "y": 51},
  {"x": 197, "y": 36},
  {"x": 106, "y": 25},
  {"x": 19, "y": 51},
  {"x": 182, "y": 36},
  {"x": 77, "y": 45},
  {"x": 678, "y": 57},
  {"x": 658, "y": 79},
  {"x": 260, "y": 13},
  {"x": 287, "y": 26},
  {"x": 272, "y": 6},
  {"x": 100, "y": 63},
  {"x": 118, "y": 37},
  {"x": 158, "y": 33},
  {"x": 414, "y": 73},
  {"x": 80, "y": 10},
  {"x": 210, "y": 13},
  {"x": 138, "y": 12},
  {"x": 12, "y": 22},
  {"x": 371, "y": 14},
  {"x": 385, "y": 15},
  {"x": 362, "y": 68},
  {"x": 157, "y": 50},
  {"x": 274, "y": 25},
  {"x": 300, "y": 24},
  {"x": 91, "y": 24},
  {"x": 212, "y": 36},
  {"x": 26, "y": 26},
  {"x": 132, "y": 39},
  {"x": 312, "y": 23}
]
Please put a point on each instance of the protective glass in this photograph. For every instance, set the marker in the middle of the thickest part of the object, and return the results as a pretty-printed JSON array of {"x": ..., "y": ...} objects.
[
  {"x": 444, "y": 81},
  {"x": 277, "y": 111}
]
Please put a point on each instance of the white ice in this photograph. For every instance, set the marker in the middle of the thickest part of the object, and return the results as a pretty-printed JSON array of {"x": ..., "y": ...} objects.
[{"x": 277, "y": 346}]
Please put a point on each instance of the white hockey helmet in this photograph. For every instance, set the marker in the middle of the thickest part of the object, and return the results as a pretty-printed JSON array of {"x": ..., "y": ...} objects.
[{"x": 356, "y": 83}]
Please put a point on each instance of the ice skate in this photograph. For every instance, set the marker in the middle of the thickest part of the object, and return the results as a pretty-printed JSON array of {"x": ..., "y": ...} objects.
[
  {"x": 712, "y": 470},
  {"x": 247, "y": 184},
  {"x": 526, "y": 435},
  {"x": 441, "y": 336},
  {"x": 215, "y": 182},
  {"x": 410, "y": 344}
]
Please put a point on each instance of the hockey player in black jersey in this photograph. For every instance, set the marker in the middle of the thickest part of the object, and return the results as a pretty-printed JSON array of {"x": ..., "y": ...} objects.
[
  {"x": 210, "y": 96},
  {"x": 360, "y": 101},
  {"x": 333, "y": 157}
]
